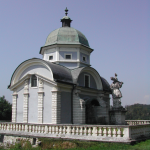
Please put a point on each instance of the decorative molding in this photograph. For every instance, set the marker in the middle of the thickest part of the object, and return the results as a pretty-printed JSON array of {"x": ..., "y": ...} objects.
[
  {"x": 78, "y": 108},
  {"x": 14, "y": 105},
  {"x": 40, "y": 100},
  {"x": 41, "y": 85},
  {"x": 26, "y": 100},
  {"x": 25, "y": 65},
  {"x": 40, "y": 107},
  {"x": 56, "y": 105}
]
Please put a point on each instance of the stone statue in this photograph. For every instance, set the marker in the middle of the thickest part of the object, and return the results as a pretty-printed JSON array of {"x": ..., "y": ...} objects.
[
  {"x": 116, "y": 93},
  {"x": 117, "y": 111}
]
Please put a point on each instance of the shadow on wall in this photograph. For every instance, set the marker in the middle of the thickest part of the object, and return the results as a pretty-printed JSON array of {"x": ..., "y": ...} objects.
[{"x": 93, "y": 115}]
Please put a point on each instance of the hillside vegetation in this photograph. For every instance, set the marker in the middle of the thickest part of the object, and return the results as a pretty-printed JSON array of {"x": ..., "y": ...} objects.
[{"x": 138, "y": 112}]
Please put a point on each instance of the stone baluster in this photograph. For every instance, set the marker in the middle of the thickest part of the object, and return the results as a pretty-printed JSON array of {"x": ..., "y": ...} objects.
[
  {"x": 33, "y": 128},
  {"x": 39, "y": 129},
  {"x": 85, "y": 130},
  {"x": 67, "y": 130},
  {"x": 77, "y": 130},
  {"x": 50, "y": 129},
  {"x": 114, "y": 132},
  {"x": 29, "y": 128},
  {"x": 57, "y": 129},
  {"x": 89, "y": 131},
  {"x": 7, "y": 126},
  {"x": 109, "y": 132},
  {"x": 10, "y": 127},
  {"x": 17, "y": 127},
  {"x": 46, "y": 129},
  {"x": 60, "y": 129},
  {"x": 36, "y": 129},
  {"x": 26, "y": 128},
  {"x": 81, "y": 130},
  {"x": 14, "y": 127},
  {"x": 119, "y": 132},
  {"x": 40, "y": 101},
  {"x": 94, "y": 131},
  {"x": 105, "y": 131}
]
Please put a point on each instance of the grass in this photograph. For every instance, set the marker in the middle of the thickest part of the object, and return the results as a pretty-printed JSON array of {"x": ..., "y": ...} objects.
[{"x": 58, "y": 144}]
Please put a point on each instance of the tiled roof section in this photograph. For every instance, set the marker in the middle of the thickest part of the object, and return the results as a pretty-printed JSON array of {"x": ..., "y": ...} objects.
[
  {"x": 66, "y": 35},
  {"x": 60, "y": 73},
  {"x": 75, "y": 73},
  {"x": 106, "y": 86}
]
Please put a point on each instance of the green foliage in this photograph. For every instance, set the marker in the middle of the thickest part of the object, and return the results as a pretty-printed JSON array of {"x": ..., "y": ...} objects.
[
  {"x": 59, "y": 144},
  {"x": 5, "y": 109},
  {"x": 138, "y": 112}
]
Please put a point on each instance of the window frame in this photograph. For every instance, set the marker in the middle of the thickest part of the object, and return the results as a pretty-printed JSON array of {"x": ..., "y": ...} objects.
[
  {"x": 68, "y": 54},
  {"x": 50, "y": 59},
  {"x": 88, "y": 81},
  {"x": 85, "y": 58},
  {"x": 36, "y": 81}
]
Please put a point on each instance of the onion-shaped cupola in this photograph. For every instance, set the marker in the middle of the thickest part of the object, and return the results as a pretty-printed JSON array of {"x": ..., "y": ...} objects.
[{"x": 66, "y": 21}]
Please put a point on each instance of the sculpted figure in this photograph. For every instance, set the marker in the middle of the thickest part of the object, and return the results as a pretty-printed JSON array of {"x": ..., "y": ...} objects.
[{"x": 116, "y": 93}]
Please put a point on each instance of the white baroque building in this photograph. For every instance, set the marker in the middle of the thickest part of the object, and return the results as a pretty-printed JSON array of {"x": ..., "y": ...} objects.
[{"x": 61, "y": 88}]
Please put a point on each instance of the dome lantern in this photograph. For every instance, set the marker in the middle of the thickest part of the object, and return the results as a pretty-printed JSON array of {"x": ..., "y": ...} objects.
[{"x": 66, "y": 21}]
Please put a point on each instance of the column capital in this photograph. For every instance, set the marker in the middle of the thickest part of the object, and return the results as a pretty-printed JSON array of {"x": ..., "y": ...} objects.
[
  {"x": 56, "y": 89},
  {"x": 25, "y": 93},
  {"x": 15, "y": 94}
]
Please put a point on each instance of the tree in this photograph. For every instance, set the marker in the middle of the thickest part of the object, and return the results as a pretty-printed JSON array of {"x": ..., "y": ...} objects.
[{"x": 5, "y": 109}]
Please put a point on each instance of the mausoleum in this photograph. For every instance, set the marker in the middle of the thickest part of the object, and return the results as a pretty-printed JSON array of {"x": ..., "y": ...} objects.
[
  {"x": 62, "y": 96},
  {"x": 61, "y": 88}
]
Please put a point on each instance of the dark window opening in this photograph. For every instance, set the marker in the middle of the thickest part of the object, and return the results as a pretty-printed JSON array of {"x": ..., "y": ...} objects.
[
  {"x": 50, "y": 57},
  {"x": 33, "y": 81},
  {"x": 84, "y": 58},
  {"x": 68, "y": 56},
  {"x": 86, "y": 81},
  {"x": 95, "y": 103}
]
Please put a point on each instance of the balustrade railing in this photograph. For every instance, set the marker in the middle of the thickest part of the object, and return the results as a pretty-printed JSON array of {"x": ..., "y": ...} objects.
[
  {"x": 87, "y": 132},
  {"x": 137, "y": 122},
  {"x": 68, "y": 130}
]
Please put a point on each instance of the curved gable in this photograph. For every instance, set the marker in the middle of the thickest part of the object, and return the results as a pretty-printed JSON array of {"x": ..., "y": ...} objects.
[
  {"x": 44, "y": 68},
  {"x": 94, "y": 76},
  {"x": 31, "y": 66}
]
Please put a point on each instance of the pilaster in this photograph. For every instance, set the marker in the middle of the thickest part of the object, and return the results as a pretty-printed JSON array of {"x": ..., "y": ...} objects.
[
  {"x": 103, "y": 111},
  {"x": 25, "y": 102},
  {"x": 56, "y": 105},
  {"x": 40, "y": 101},
  {"x": 78, "y": 108},
  {"x": 14, "y": 105}
]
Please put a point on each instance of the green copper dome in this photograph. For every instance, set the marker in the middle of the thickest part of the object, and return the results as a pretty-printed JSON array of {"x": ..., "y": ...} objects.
[{"x": 66, "y": 35}]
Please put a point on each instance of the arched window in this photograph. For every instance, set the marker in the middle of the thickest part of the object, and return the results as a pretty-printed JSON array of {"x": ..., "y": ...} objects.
[{"x": 33, "y": 81}]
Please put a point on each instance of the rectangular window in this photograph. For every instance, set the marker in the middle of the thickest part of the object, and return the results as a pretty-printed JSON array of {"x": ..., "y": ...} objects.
[
  {"x": 84, "y": 58},
  {"x": 87, "y": 81},
  {"x": 68, "y": 56},
  {"x": 50, "y": 57},
  {"x": 33, "y": 81}
]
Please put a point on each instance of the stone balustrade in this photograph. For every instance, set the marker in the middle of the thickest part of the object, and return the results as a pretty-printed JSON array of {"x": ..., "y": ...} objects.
[
  {"x": 118, "y": 133},
  {"x": 137, "y": 122}
]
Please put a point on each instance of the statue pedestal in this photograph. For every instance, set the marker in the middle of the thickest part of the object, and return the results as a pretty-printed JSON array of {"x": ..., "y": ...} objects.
[{"x": 117, "y": 113}]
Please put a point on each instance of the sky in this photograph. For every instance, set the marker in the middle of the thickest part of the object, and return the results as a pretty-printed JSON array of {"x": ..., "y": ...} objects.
[{"x": 117, "y": 30}]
